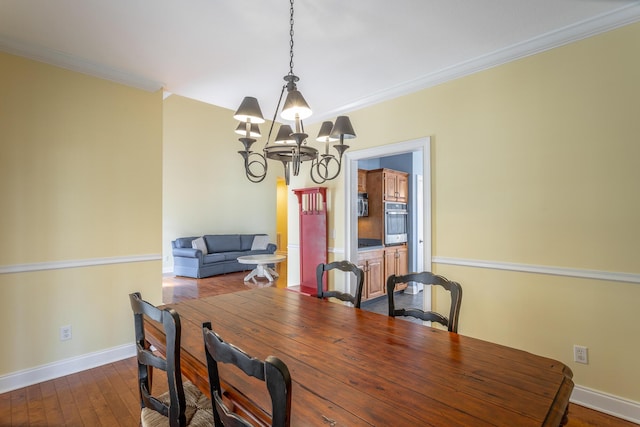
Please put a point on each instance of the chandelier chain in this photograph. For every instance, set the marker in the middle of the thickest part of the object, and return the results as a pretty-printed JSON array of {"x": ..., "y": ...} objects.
[{"x": 291, "y": 38}]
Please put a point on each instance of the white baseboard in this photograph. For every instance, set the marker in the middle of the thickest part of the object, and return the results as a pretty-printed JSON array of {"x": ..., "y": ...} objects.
[
  {"x": 65, "y": 367},
  {"x": 606, "y": 403}
]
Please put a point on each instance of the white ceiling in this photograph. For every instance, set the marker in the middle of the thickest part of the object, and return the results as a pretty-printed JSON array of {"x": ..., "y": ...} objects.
[{"x": 348, "y": 53}]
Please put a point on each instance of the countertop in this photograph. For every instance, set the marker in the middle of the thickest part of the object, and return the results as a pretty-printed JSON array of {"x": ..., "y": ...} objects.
[
  {"x": 369, "y": 244},
  {"x": 369, "y": 248}
]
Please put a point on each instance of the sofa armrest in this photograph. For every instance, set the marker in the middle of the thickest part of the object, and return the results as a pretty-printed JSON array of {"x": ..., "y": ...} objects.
[
  {"x": 271, "y": 248},
  {"x": 187, "y": 252}
]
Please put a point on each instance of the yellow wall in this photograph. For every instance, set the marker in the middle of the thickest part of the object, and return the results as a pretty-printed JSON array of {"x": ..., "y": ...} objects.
[
  {"x": 534, "y": 162},
  {"x": 205, "y": 189},
  {"x": 80, "y": 181}
]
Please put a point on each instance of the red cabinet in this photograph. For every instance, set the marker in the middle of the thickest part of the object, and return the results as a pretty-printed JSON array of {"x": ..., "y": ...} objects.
[{"x": 312, "y": 207}]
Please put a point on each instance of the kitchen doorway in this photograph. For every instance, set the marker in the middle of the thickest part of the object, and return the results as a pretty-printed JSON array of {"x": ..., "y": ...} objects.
[{"x": 420, "y": 192}]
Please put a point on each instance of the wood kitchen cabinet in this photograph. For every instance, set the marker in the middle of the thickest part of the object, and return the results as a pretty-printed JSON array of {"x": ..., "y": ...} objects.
[
  {"x": 362, "y": 180},
  {"x": 372, "y": 263},
  {"x": 396, "y": 261},
  {"x": 396, "y": 186},
  {"x": 383, "y": 185},
  {"x": 392, "y": 185}
]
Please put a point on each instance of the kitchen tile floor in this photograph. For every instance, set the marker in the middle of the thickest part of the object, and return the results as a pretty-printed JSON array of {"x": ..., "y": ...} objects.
[{"x": 380, "y": 304}]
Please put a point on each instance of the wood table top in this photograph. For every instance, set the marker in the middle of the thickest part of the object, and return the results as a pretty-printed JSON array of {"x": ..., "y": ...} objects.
[{"x": 351, "y": 367}]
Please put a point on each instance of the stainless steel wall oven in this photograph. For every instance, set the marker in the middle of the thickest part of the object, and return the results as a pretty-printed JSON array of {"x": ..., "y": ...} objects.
[{"x": 396, "y": 223}]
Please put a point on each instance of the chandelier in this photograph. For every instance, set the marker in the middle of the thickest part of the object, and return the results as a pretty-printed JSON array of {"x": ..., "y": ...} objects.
[{"x": 290, "y": 144}]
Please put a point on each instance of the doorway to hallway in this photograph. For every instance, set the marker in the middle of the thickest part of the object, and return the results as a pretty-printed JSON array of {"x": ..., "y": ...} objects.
[{"x": 282, "y": 224}]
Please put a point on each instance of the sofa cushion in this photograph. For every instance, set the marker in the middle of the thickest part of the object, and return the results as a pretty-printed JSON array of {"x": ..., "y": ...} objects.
[
  {"x": 260, "y": 242},
  {"x": 211, "y": 258},
  {"x": 233, "y": 256},
  {"x": 200, "y": 244},
  {"x": 245, "y": 241},
  {"x": 222, "y": 242},
  {"x": 184, "y": 242}
]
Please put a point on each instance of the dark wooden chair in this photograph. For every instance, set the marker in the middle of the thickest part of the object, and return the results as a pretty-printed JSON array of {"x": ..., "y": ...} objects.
[
  {"x": 183, "y": 404},
  {"x": 427, "y": 278},
  {"x": 346, "y": 266},
  {"x": 272, "y": 371}
]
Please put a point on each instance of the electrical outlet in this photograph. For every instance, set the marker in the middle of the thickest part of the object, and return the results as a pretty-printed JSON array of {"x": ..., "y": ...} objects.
[
  {"x": 580, "y": 354},
  {"x": 65, "y": 333}
]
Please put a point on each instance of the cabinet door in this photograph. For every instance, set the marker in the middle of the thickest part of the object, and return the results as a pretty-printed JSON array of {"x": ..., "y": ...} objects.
[
  {"x": 389, "y": 262},
  {"x": 402, "y": 261},
  {"x": 362, "y": 265},
  {"x": 396, "y": 262},
  {"x": 390, "y": 183},
  {"x": 396, "y": 186},
  {"x": 375, "y": 275},
  {"x": 402, "y": 187},
  {"x": 362, "y": 181}
]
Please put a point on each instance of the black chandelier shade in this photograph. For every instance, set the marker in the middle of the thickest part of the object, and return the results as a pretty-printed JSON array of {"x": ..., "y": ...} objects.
[{"x": 249, "y": 111}]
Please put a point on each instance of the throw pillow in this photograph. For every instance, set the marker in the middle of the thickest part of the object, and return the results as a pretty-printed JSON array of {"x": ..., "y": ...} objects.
[
  {"x": 260, "y": 242},
  {"x": 199, "y": 244}
]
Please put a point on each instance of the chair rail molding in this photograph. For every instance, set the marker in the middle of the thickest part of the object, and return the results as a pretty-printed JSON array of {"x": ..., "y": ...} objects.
[
  {"x": 542, "y": 269},
  {"x": 89, "y": 262}
]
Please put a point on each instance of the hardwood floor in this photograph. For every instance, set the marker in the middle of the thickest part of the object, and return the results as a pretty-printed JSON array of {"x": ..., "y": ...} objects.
[
  {"x": 175, "y": 289},
  {"x": 107, "y": 395}
]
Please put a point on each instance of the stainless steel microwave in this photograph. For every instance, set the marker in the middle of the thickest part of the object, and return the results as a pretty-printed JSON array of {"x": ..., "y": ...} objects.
[{"x": 363, "y": 204}]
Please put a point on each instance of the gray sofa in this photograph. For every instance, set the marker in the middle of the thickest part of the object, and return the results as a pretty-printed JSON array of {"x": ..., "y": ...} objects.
[{"x": 222, "y": 252}]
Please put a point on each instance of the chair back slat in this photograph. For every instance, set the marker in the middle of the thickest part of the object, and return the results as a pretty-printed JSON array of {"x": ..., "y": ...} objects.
[
  {"x": 427, "y": 278},
  {"x": 147, "y": 360},
  {"x": 272, "y": 371},
  {"x": 346, "y": 266}
]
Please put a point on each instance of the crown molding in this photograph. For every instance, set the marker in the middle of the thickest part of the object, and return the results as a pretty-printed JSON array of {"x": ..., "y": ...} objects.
[
  {"x": 73, "y": 63},
  {"x": 608, "y": 21}
]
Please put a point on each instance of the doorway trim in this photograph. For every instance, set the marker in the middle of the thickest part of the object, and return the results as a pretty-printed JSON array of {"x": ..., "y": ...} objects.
[{"x": 421, "y": 146}]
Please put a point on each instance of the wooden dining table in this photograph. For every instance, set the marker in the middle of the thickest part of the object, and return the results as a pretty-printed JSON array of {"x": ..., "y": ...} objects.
[{"x": 352, "y": 367}]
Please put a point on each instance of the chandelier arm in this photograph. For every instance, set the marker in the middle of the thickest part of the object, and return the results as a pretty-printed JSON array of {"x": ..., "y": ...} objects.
[
  {"x": 287, "y": 173},
  {"x": 275, "y": 115},
  {"x": 295, "y": 161},
  {"x": 261, "y": 162},
  {"x": 321, "y": 168},
  {"x": 255, "y": 180},
  {"x": 314, "y": 165}
]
